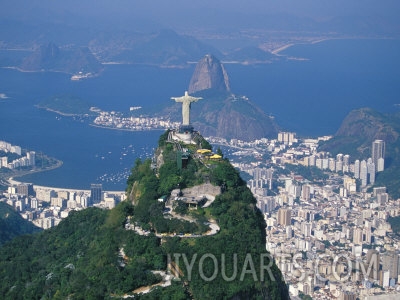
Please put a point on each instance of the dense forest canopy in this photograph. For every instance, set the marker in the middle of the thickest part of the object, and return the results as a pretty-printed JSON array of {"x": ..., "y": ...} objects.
[{"x": 92, "y": 255}]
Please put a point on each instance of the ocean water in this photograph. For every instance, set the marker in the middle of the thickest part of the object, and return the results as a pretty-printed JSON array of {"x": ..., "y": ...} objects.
[
  {"x": 310, "y": 97},
  {"x": 89, "y": 154},
  {"x": 313, "y": 96}
]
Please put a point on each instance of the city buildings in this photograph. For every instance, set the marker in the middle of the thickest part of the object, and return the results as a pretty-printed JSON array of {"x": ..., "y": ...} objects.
[
  {"x": 378, "y": 154},
  {"x": 117, "y": 120},
  {"x": 46, "y": 207},
  {"x": 284, "y": 217},
  {"x": 287, "y": 138},
  {"x": 29, "y": 160},
  {"x": 338, "y": 243},
  {"x": 95, "y": 193}
]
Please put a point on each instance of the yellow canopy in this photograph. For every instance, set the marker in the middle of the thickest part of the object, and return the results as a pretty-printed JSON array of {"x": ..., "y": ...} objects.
[{"x": 203, "y": 151}]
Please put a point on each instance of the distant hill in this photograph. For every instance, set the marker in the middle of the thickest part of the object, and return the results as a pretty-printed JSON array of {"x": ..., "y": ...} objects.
[
  {"x": 356, "y": 134},
  {"x": 50, "y": 57},
  {"x": 12, "y": 224},
  {"x": 66, "y": 105},
  {"x": 166, "y": 48},
  {"x": 250, "y": 55},
  {"x": 360, "y": 128},
  {"x": 221, "y": 113}
]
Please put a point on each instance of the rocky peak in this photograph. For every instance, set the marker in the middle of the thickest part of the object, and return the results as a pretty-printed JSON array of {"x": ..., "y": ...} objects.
[
  {"x": 221, "y": 113},
  {"x": 209, "y": 74}
]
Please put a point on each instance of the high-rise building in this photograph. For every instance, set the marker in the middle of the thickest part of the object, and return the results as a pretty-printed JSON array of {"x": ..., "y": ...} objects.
[
  {"x": 31, "y": 155},
  {"x": 343, "y": 212},
  {"x": 269, "y": 175},
  {"x": 332, "y": 164},
  {"x": 363, "y": 173},
  {"x": 358, "y": 236},
  {"x": 284, "y": 216},
  {"x": 346, "y": 163},
  {"x": 286, "y": 137},
  {"x": 381, "y": 164},
  {"x": 368, "y": 235},
  {"x": 384, "y": 278},
  {"x": 289, "y": 232},
  {"x": 258, "y": 173},
  {"x": 15, "y": 149},
  {"x": 382, "y": 198},
  {"x": 84, "y": 201},
  {"x": 373, "y": 262},
  {"x": 305, "y": 192},
  {"x": 371, "y": 171},
  {"x": 95, "y": 193},
  {"x": 311, "y": 162},
  {"x": 339, "y": 166},
  {"x": 379, "y": 190},
  {"x": 3, "y": 161},
  {"x": 356, "y": 250},
  {"x": 378, "y": 152},
  {"x": 306, "y": 229},
  {"x": 295, "y": 190},
  {"x": 318, "y": 163},
  {"x": 390, "y": 263},
  {"x": 266, "y": 204},
  {"x": 357, "y": 169},
  {"x": 25, "y": 189},
  {"x": 325, "y": 163}
]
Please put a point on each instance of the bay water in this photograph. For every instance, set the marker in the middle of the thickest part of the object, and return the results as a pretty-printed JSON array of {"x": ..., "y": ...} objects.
[{"x": 309, "y": 90}]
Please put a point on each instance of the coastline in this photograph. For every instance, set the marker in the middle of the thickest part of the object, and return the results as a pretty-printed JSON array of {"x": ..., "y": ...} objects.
[
  {"x": 58, "y": 112},
  {"x": 95, "y": 125},
  {"x": 12, "y": 181},
  {"x": 34, "y": 71},
  {"x": 280, "y": 49},
  {"x": 18, "y": 174},
  {"x": 277, "y": 51},
  {"x": 125, "y": 129},
  {"x": 57, "y": 165},
  {"x": 310, "y": 42}
]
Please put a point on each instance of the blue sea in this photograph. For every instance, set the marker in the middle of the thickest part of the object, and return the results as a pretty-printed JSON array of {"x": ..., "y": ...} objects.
[
  {"x": 313, "y": 96},
  {"x": 309, "y": 91}
]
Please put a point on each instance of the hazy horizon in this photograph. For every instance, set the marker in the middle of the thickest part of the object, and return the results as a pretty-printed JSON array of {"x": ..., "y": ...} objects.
[{"x": 217, "y": 15}]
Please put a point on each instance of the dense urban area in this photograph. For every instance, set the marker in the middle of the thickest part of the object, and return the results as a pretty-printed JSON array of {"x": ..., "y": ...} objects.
[
  {"x": 327, "y": 224},
  {"x": 327, "y": 227},
  {"x": 117, "y": 120}
]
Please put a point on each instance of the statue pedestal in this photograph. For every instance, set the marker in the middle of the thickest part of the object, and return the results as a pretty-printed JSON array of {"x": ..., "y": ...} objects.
[
  {"x": 185, "y": 129},
  {"x": 184, "y": 134}
]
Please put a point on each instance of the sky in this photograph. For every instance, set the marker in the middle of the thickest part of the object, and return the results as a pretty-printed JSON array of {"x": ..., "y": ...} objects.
[
  {"x": 201, "y": 11},
  {"x": 225, "y": 24}
]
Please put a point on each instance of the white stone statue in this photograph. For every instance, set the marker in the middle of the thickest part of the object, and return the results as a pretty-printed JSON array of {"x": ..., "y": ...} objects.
[{"x": 186, "y": 100}]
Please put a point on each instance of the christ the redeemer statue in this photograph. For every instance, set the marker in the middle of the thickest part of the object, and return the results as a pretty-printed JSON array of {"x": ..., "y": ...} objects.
[{"x": 186, "y": 100}]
